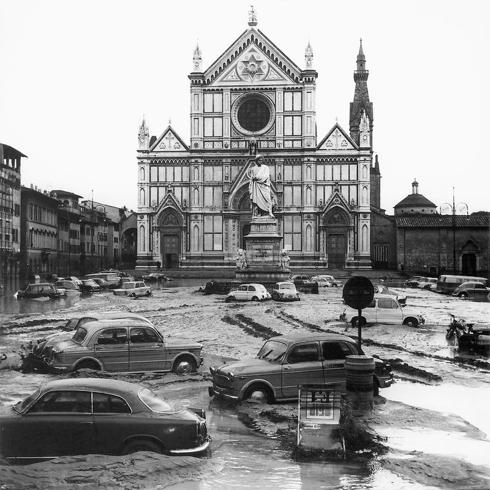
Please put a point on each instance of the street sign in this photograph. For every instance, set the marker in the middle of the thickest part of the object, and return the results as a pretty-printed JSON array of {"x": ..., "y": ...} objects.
[{"x": 358, "y": 292}]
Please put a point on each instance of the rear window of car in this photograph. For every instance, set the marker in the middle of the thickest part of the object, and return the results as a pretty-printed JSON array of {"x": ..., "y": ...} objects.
[
  {"x": 105, "y": 403},
  {"x": 79, "y": 335},
  {"x": 153, "y": 402}
]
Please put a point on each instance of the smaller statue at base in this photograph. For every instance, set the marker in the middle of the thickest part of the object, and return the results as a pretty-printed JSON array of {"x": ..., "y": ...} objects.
[
  {"x": 285, "y": 259},
  {"x": 241, "y": 259}
]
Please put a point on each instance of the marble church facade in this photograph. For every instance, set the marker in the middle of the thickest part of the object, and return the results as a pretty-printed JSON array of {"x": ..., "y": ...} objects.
[{"x": 193, "y": 203}]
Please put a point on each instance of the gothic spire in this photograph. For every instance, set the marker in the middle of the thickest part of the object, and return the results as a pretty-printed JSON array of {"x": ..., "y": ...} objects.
[
  {"x": 309, "y": 56},
  {"x": 252, "y": 17},
  {"x": 197, "y": 59},
  {"x": 143, "y": 135}
]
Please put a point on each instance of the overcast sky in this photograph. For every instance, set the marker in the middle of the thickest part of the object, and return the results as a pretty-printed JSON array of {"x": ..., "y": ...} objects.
[{"x": 77, "y": 77}]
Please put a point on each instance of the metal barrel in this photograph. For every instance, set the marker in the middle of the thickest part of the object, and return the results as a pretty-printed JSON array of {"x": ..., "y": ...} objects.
[{"x": 359, "y": 372}]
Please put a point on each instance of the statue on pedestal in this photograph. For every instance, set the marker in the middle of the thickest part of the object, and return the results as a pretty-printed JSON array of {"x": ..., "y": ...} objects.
[
  {"x": 285, "y": 259},
  {"x": 260, "y": 188},
  {"x": 241, "y": 259}
]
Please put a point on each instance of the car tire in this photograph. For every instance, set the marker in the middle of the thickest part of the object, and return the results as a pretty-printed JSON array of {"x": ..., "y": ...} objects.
[
  {"x": 141, "y": 445},
  {"x": 148, "y": 293},
  {"x": 258, "y": 394},
  {"x": 411, "y": 322},
  {"x": 132, "y": 295},
  {"x": 463, "y": 295},
  {"x": 255, "y": 298},
  {"x": 184, "y": 365},
  {"x": 355, "y": 321},
  {"x": 87, "y": 364}
]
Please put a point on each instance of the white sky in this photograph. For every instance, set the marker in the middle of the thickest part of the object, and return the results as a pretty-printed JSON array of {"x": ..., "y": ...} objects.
[{"x": 77, "y": 76}]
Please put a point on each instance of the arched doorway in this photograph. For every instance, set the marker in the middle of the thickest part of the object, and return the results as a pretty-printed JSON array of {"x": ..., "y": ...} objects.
[
  {"x": 170, "y": 239},
  {"x": 468, "y": 258},
  {"x": 337, "y": 227}
]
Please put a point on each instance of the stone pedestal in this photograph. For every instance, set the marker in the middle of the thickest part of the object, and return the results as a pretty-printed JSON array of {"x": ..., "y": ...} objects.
[{"x": 263, "y": 253}]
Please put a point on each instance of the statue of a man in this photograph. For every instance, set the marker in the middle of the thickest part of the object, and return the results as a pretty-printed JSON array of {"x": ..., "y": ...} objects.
[{"x": 260, "y": 188}]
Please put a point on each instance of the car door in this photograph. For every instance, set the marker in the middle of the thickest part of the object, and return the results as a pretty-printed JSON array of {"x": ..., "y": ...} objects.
[
  {"x": 146, "y": 350},
  {"x": 251, "y": 292},
  {"x": 111, "y": 348},
  {"x": 113, "y": 422},
  {"x": 302, "y": 365},
  {"x": 389, "y": 312},
  {"x": 369, "y": 313},
  {"x": 242, "y": 293},
  {"x": 334, "y": 354},
  {"x": 59, "y": 423}
]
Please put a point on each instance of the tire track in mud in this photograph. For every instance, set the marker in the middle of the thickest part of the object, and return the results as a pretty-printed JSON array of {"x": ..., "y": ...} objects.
[{"x": 250, "y": 326}]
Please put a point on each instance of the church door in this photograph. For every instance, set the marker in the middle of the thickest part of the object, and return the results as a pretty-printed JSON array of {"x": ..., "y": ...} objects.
[
  {"x": 336, "y": 250},
  {"x": 469, "y": 264},
  {"x": 170, "y": 251}
]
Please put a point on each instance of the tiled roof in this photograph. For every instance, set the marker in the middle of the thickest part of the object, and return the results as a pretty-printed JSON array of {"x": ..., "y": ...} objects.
[
  {"x": 415, "y": 201},
  {"x": 481, "y": 219}
]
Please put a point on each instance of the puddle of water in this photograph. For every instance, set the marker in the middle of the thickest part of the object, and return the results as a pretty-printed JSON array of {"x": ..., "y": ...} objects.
[{"x": 469, "y": 403}]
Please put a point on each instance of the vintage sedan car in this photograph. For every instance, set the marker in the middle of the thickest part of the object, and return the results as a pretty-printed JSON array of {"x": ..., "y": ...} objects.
[
  {"x": 248, "y": 292},
  {"x": 382, "y": 289},
  {"x": 133, "y": 289},
  {"x": 101, "y": 282},
  {"x": 305, "y": 283},
  {"x": 90, "y": 286},
  {"x": 75, "y": 279},
  {"x": 284, "y": 291},
  {"x": 154, "y": 276},
  {"x": 71, "y": 417},
  {"x": 383, "y": 309},
  {"x": 287, "y": 361},
  {"x": 39, "y": 290},
  {"x": 413, "y": 282},
  {"x": 472, "y": 290},
  {"x": 67, "y": 285},
  {"x": 326, "y": 281},
  {"x": 122, "y": 345}
]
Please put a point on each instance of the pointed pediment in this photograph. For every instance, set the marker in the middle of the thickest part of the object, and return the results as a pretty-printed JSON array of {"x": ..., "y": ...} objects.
[
  {"x": 169, "y": 141},
  {"x": 336, "y": 200},
  {"x": 169, "y": 203},
  {"x": 337, "y": 139},
  {"x": 253, "y": 59}
]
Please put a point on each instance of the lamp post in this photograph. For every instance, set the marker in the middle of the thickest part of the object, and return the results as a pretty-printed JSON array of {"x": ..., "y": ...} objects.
[{"x": 452, "y": 208}]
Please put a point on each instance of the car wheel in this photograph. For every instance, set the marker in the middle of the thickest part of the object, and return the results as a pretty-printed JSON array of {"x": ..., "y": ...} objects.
[
  {"x": 463, "y": 295},
  {"x": 258, "y": 394},
  {"x": 411, "y": 322},
  {"x": 141, "y": 445},
  {"x": 184, "y": 365},
  {"x": 133, "y": 295},
  {"x": 87, "y": 365},
  {"x": 255, "y": 298},
  {"x": 148, "y": 293},
  {"x": 356, "y": 321}
]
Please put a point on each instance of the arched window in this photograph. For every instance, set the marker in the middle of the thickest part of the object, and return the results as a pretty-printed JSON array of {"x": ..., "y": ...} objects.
[
  {"x": 196, "y": 197},
  {"x": 142, "y": 174},
  {"x": 364, "y": 238},
  {"x": 308, "y": 195},
  {"x": 309, "y": 238},
  {"x": 142, "y": 238},
  {"x": 142, "y": 197},
  {"x": 364, "y": 195},
  {"x": 196, "y": 174},
  {"x": 195, "y": 238}
]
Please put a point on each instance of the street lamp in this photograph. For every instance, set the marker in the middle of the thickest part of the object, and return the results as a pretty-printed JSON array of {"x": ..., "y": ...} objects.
[{"x": 461, "y": 206}]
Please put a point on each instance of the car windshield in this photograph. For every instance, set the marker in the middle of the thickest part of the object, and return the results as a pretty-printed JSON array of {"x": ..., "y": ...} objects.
[
  {"x": 79, "y": 335},
  {"x": 153, "y": 402},
  {"x": 22, "y": 405},
  {"x": 287, "y": 286},
  {"x": 272, "y": 351},
  {"x": 128, "y": 285}
]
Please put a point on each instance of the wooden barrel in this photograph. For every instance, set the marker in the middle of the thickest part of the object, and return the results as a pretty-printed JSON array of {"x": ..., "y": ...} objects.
[{"x": 359, "y": 372}]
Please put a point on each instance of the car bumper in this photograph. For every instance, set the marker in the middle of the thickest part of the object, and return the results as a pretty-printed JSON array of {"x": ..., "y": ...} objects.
[
  {"x": 192, "y": 450},
  {"x": 221, "y": 393}
]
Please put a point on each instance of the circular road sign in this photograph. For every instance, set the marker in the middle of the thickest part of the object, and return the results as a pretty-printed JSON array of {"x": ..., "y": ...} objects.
[{"x": 358, "y": 292}]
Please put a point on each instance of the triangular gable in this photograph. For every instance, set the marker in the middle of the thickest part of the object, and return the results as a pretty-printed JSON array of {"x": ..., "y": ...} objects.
[
  {"x": 234, "y": 62},
  {"x": 336, "y": 200},
  {"x": 169, "y": 141},
  {"x": 253, "y": 66},
  {"x": 337, "y": 139},
  {"x": 169, "y": 201}
]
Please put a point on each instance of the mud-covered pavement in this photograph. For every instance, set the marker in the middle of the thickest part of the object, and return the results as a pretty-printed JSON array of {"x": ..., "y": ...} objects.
[{"x": 433, "y": 426}]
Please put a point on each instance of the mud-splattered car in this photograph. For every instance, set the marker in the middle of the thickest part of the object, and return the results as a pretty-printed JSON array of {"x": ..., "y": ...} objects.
[
  {"x": 98, "y": 416},
  {"x": 285, "y": 362},
  {"x": 284, "y": 291},
  {"x": 39, "y": 290},
  {"x": 121, "y": 345}
]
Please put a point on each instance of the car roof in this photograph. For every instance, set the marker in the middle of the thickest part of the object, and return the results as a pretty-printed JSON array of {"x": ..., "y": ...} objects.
[
  {"x": 290, "y": 338},
  {"x": 104, "y": 384},
  {"x": 285, "y": 282},
  {"x": 114, "y": 316},
  {"x": 40, "y": 284},
  {"x": 98, "y": 324}
]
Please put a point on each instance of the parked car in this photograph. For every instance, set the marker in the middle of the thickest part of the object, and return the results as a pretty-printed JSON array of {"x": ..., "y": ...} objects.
[
  {"x": 413, "y": 282},
  {"x": 75, "y": 279},
  {"x": 287, "y": 361},
  {"x": 155, "y": 276},
  {"x": 101, "y": 282},
  {"x": 90, "y": 286},
  {"x": 325, "y": 281},
  {"x": 70, "y": 417},
  {"x": 220, "y": 287},
  {"x": 133, "y": 289},
  {"x": 67, "y": 285},
  {"x": 429, "y": 283},
  {"x": 248, "y": 292},
  {"x": 472, "y": 290},
  {"x": 305, "y": 284},
  {"x": 121, "y": 345},
  {"x": 382, "y": 289},
  {"x": 39, "y": 290},
  {"x": 284, "y": 291},
  {"x": 384, "y": 309},
  {"x": 447, "y": 283},
  {"x": 111, "y": 278}
]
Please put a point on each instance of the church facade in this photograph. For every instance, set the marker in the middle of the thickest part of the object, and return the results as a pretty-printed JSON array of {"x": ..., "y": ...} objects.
[{"x": 193, "y": 201}]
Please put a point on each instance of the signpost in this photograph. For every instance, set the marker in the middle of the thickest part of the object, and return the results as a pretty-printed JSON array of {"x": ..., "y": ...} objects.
[{"x": 358, "y": 293}]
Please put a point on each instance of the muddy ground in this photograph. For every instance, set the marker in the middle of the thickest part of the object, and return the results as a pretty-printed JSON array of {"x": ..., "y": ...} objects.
[{"x": 431, "y": 427}]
